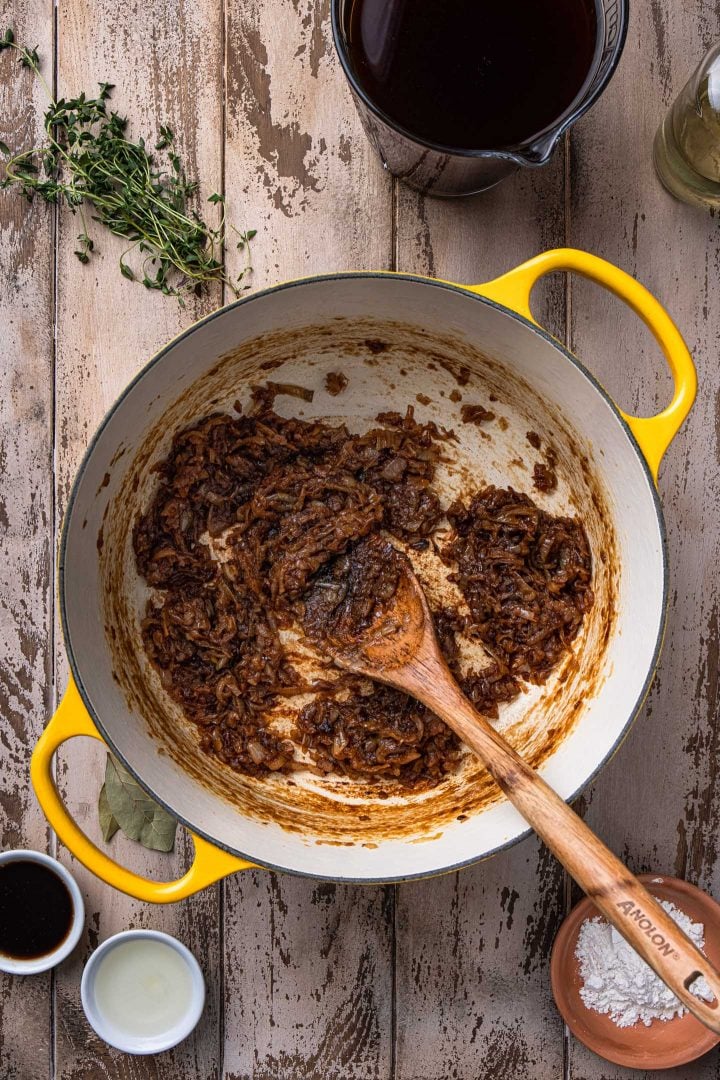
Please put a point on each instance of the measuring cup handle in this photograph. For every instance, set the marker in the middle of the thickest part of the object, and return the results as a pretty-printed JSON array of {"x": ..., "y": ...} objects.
[
  {"x": 209, "y": 864},
  {"x": 652, "y": 433}
]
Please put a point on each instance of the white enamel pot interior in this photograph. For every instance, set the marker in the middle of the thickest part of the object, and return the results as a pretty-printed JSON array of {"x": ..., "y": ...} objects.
[{"x": 440, "y": 341}]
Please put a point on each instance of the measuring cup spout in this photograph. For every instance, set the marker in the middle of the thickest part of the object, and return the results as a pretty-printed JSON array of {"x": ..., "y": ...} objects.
[{"x": 540, "y": 150}]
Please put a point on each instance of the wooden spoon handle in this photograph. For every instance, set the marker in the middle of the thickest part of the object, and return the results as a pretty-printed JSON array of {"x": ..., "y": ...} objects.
[{"x": 613, "y": 889}]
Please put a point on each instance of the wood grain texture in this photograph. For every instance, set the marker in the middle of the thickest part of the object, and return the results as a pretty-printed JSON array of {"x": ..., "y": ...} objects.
[
  {"x": 308, "y": 979},
  {"x": 26, "y": 512},
  {"x": 297, "y": 165},
  {"x": 658, "y": 802},
  {"x": 164, "y": 60},
  {"x": 305, "y": 971},
  {"x": 308, "y": 972},
  {"x": 473, "y": 994}
]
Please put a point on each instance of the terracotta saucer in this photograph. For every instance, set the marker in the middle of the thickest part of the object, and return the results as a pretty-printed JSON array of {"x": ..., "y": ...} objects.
[{"x": 664, "y": 1044}]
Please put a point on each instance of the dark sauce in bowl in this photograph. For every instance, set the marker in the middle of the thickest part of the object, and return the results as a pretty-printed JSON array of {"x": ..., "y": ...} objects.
[
  {"x": 36, "y": 909},
  {"x": 473, "y": 74}
]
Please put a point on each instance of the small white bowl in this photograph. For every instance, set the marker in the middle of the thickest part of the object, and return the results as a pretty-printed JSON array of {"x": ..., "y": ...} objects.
[
  {"x": 147, "y": 1044},
  {"x": 19, "y": 966}
]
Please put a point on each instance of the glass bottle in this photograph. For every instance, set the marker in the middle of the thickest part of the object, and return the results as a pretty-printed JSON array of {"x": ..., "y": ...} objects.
[{"x": 687, "y": 144}]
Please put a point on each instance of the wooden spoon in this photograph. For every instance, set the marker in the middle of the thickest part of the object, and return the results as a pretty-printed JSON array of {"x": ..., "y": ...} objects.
[{"x": 399, "y": 647}]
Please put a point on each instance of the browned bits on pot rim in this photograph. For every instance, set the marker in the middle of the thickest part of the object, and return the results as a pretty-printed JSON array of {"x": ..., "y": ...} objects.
[
  {"x": 460, "y": 373},
  {"x": 475, "y": 414},
  {"x": 335, "y": 382},
  {"x": 544, "y": 478},
  {"x": 544, "y": 474}
]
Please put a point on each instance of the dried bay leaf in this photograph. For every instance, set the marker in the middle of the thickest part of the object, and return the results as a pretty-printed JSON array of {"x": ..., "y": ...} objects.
[
  {"x": 108, "y": 823},
  {"x": 137, "y": 815},
  {"x": 159, "y": 832}
]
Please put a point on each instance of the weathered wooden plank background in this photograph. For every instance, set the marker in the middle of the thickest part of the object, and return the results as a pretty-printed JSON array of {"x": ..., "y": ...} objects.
[{"x": 434, "y": 980}]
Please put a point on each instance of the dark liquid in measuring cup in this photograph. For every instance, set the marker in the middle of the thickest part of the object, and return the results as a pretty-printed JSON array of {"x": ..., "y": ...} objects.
[
  {"x": 36, "y": 909},
  {"x": 472, "y": 74}
]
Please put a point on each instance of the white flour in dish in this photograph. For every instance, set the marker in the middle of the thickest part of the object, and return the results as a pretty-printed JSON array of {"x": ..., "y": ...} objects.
[{"x": 618, "y": 982}]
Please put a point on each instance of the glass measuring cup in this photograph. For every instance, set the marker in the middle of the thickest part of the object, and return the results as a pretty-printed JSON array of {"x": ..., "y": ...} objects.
[{"x": 447, "y": 170}]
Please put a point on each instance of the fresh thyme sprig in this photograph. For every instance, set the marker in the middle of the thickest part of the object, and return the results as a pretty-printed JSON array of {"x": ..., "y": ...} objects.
[{"x": 87, "y": 159}]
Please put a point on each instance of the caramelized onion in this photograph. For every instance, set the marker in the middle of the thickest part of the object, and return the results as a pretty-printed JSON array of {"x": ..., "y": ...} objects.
[{"x": 287, "y": 497}]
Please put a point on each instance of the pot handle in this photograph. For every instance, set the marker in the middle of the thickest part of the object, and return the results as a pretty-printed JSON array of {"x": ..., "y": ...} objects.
[
  {"x": 210, "y": 862},
  {"x": 652, "y": 433}
]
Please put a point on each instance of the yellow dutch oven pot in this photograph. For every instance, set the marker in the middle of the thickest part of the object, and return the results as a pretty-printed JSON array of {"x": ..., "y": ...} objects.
[{"x": 439, "y": 340}]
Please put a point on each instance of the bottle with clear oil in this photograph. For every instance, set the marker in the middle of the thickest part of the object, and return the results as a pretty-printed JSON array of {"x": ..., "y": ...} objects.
[{"x": 687, "y": 144}]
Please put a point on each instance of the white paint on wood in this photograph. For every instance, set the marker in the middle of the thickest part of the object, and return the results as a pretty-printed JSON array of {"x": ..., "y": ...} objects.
[
  {"x": 658, "y": 802},
  {"x": 307, "y": 970},
  {"x": 164, "y": 60},
  {"x": 26, "y": 501}
]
